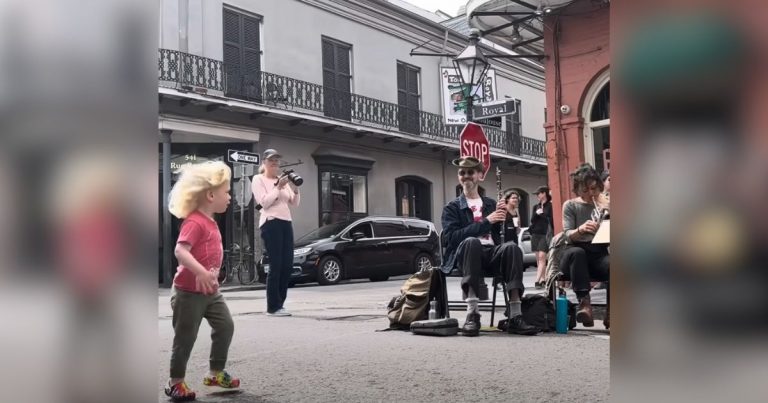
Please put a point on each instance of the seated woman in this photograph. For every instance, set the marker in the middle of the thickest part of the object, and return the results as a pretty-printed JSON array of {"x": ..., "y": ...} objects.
[{"x": 584, "y": 261}]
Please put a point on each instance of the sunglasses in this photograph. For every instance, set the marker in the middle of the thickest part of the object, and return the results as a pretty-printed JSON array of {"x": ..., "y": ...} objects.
[{"x": 468, "y": 172}]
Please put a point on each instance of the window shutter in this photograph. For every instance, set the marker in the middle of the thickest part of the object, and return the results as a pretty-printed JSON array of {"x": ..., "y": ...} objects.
[{"x": 251, "y": 46}]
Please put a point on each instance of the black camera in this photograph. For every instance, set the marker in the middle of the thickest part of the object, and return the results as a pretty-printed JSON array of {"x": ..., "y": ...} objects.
[{"x": 292, "y": 176}]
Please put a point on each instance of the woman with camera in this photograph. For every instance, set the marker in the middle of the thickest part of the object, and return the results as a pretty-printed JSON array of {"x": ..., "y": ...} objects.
[{"x": 276, "y": 193}]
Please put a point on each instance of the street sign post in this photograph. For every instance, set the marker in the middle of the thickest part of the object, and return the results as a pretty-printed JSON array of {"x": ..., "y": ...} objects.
[
  {"x": 473, "y": 143},
  {"x": 493, "y": 109},
  {"x": 243, "y": 157},
  {"x": 493, "y": 122}
]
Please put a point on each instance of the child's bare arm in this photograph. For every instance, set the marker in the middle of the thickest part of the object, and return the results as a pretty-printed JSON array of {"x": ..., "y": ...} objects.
[{"x": 203, "y": 278}]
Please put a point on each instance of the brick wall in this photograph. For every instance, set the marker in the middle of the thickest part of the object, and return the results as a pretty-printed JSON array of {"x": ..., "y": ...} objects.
[{"x": 583, "y": 45}]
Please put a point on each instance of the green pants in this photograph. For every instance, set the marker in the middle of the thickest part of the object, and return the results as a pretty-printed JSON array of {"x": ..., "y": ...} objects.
[{"x": 189, "y": 309}]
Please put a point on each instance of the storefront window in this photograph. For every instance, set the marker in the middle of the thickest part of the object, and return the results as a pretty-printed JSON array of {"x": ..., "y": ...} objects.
[{"x": 343, "y": 196}]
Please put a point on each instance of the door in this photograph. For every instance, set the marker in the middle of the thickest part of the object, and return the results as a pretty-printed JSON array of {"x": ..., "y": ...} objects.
[
  {"x": 363, "y": 255},
  {"x": 399, "y": 244},
  {"x": 408, "y": 98},
  {"x": 413, "y": 197},
  {"x": 337, "y": 79},
  {"x": 242, "y": 55}
]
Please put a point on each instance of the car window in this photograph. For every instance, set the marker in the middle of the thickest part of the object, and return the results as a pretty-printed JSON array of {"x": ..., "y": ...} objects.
[
  {"x": 417, "y": 228},
  {"x": 364, "y": 227},
  {"x": 323, "y": 232},
  {"x": 385, "y": 229}
]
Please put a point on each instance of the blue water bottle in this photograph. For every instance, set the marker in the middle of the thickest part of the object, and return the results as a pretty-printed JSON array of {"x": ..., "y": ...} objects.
[{"x": 561, "y": 308}]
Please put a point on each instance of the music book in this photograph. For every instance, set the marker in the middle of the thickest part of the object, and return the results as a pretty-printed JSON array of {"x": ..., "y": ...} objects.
[{"x": 603, "y": 234}]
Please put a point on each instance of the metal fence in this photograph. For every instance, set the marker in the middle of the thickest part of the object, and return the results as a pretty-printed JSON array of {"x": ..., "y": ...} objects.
[{"x": 182, "y": 70}]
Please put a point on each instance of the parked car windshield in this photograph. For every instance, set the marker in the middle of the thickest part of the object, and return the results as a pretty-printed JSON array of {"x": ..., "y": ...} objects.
[{"x": 326, "y": 231}]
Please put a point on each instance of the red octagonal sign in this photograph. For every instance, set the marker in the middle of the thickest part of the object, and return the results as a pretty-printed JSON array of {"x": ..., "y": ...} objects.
[{"x": 473, "y": 143}]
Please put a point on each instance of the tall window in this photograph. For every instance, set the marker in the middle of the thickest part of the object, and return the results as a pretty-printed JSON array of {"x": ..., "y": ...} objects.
[
  {"x": 514, "y": 124},
  {"x": 343, "y": 196},
  {"x": 408, "y": 97},
  {"x": 337, "y": 79},
  {"x": 600, "y": 123},
  {"x": 242, "y": 53}
]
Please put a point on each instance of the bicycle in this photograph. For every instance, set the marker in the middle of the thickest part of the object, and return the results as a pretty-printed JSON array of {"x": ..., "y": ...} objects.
[{"x": 240, "y": 262}]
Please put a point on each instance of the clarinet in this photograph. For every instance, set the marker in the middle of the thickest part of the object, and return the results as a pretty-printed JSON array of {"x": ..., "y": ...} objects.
[{"x": 501, "y": 195}]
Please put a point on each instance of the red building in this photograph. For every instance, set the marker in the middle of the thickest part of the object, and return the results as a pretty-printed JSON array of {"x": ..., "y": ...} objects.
[
  {"x": 577, "y": 45},
  {"x": 571, "y": 39}
]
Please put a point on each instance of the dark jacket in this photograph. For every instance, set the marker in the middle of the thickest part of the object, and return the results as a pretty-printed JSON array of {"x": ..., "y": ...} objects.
[
  {"x": 541, "y": 223},
  {"x": 510, "y": 230},
  {"x": 458, "y": 225}
]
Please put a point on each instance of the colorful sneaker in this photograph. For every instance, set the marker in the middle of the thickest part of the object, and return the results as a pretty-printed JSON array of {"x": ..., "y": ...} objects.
[
  {"x": 222, "y": 379},
  {"x": 179, "y": 392}
]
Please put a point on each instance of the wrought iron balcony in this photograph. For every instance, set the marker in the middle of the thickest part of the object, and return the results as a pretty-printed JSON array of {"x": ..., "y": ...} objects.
[{"x": 182, "y": 70}]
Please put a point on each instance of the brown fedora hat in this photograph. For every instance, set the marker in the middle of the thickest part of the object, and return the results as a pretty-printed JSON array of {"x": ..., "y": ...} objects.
[{"x": 468, "y": 162}]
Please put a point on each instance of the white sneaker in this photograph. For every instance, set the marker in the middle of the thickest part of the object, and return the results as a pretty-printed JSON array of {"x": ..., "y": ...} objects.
[{"x": 279, "y": 312}]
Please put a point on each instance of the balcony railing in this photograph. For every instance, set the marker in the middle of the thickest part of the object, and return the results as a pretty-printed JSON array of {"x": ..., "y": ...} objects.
[{"x": 187, "y": 71}]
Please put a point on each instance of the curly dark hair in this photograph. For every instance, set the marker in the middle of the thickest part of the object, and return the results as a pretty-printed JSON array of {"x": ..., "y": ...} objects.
[
  {"x": 583, "y": 175},
  {"x": 510, "y": 193}
]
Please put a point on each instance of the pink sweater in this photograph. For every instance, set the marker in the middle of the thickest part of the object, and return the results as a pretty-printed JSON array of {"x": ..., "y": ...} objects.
[{"x": 274, "y": 201}]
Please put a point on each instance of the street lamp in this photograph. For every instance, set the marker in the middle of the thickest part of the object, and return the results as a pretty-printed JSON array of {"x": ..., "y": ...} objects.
[{"x": 472, "y": 66}]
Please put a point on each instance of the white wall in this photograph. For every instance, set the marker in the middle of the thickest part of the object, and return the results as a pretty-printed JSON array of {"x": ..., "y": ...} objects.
[{"x": 291, "y": 45}]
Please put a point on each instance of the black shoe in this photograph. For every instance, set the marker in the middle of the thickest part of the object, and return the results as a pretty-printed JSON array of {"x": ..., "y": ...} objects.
[
  {"x": 516, "y": 325},
  {"x": 471, "y": 326}
]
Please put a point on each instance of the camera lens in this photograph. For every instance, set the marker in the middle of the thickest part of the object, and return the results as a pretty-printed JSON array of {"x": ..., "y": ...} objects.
[{"x": 296, "y": 179}]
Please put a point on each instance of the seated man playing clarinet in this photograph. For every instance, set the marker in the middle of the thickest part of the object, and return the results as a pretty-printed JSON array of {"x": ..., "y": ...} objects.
[{"x": 472, "y": 235}]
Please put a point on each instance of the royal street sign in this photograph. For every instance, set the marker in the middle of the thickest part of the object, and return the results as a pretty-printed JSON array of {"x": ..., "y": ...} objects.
[{"x": 493, "y": 109}]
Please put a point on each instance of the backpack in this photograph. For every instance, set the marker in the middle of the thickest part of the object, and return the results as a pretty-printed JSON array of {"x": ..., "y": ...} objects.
[
  {"x": 557, "y": 246},
  {"x": 413, "y": 302},
  {"x": 539, "y": 311}
]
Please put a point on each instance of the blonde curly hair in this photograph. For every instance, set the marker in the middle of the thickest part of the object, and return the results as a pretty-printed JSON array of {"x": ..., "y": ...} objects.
[{"x": 193, "y": 181}]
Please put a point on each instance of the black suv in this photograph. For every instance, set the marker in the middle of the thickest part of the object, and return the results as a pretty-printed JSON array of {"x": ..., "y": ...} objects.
[{"x": 371, "y": 247}]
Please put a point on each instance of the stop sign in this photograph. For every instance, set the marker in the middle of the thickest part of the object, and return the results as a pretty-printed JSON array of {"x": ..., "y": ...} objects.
[{"x": 473, "y": 143}]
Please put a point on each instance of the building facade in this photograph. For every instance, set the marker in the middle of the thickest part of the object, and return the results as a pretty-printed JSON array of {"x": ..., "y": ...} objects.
[
  {"x": 332, "y": 86},
  {"x": 577, "y": 42}
]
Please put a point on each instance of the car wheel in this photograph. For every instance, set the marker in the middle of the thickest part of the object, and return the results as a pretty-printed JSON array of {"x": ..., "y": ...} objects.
[
  {"x": 422, "y": 262},
  {"x": 379, "y": 278},
  {"x": 329, "y": 271}
]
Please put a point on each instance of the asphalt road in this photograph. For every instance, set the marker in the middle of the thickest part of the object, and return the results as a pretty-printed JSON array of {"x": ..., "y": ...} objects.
[{"x": 331, "y": 351}]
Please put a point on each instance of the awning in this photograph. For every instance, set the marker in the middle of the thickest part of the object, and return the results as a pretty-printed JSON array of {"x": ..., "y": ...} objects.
[{"x": 511, "y": 22}]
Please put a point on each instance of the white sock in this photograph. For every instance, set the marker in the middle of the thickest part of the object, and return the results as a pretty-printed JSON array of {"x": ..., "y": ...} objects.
[
  {"x": 472, "y": 305},
  {"x": 515, "y": 308}
]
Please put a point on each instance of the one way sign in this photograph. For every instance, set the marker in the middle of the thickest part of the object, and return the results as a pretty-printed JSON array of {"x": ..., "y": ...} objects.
[{"x": 243, "y": 157}]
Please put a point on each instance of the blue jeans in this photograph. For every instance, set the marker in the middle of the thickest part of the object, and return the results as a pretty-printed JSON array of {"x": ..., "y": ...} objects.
[{"x": 278, "y": 240}]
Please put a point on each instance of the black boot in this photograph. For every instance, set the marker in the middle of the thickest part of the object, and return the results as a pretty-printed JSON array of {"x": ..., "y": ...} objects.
[
  {"x": 471, "y": 326},
  {"x": 516, "y": 325}
]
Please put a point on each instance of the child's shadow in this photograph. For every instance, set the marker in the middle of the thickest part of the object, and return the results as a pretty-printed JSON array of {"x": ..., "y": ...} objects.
[{"x": 229, "y": 395}]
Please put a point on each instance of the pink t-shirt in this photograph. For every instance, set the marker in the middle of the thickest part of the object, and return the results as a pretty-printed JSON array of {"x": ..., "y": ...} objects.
[
  {"x": 274, "y": 202},
  {"x": 202, "y": 234},
  {"x": 476, "y": 205}
]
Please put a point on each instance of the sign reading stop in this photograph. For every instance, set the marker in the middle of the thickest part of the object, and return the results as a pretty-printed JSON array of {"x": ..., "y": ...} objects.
[{"x": 473, "y": 143}]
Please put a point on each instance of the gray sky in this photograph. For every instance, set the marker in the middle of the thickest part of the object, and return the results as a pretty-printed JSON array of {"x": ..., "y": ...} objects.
[{"x": 449, "y": 6}]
